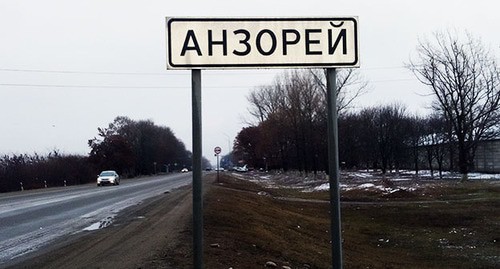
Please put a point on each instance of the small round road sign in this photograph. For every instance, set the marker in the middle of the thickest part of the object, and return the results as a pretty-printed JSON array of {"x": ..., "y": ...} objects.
[{"x": 217, "y": 150}]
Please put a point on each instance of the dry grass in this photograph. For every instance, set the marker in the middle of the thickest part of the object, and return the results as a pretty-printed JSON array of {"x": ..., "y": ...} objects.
[
  {"x": 252, "y": 229},
  {"x": 448, "y": 226}
]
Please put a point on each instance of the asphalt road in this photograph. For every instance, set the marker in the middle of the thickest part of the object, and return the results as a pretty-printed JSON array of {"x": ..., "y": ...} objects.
[{"x": 30, "y": 220}]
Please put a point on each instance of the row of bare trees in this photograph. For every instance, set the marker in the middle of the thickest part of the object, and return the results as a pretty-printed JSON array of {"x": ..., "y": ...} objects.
[
  {"x": 384, "y": 137},
  {"x": 23, "y": 171},
  {"x": 130, "y": 147},
  {"x": 389, "y": 138},
  {"x": 290, "y": 128},
  {"x": 138, "y": 148}
]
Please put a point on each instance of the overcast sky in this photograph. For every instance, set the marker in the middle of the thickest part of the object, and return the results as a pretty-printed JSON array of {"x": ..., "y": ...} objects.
[{"x": 68, "y": 67}]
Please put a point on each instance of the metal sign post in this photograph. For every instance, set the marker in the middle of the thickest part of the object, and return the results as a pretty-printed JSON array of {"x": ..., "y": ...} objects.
[
  {"x": 217, "y": 151},
  {"x": 333, "y": 168},
  {"x": 197, "y": 183}
]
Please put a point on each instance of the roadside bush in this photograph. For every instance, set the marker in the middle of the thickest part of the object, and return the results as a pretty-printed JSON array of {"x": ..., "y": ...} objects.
[{"x": 35, "y": 171}]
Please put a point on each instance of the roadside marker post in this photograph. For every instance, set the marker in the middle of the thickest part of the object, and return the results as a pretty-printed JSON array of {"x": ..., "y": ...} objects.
[{"x": 242, "y": 43}]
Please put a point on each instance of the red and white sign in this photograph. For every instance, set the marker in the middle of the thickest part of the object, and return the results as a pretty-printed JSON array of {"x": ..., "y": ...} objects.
[{"x": 217, "y": 150}]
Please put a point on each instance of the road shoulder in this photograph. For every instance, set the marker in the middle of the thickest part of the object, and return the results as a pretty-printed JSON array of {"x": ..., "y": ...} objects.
[{"x": 138, "y": 238}]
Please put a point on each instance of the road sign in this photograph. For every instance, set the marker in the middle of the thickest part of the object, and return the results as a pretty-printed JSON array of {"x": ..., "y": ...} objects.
[
  {"x": 215, "y": 43},
  {"x": 226, "y": 43}
]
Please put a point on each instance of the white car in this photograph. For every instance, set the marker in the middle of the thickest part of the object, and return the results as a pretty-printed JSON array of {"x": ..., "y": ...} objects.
[
  {"x": 184, "y": 170},
  {"x": 108, "y": 177}
]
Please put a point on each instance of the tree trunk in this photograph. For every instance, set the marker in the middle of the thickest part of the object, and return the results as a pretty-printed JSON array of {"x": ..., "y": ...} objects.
[{"x": 463, "y": 160}]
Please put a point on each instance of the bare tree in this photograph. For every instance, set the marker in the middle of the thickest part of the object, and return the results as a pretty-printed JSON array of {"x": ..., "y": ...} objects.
[
  {"x": 268, "y": 99},
  {"x": 350, "y": 85},
  {"x": 265, "y": 101},
  {"x": 436, "y": 142},
  {"x": 296, "y": 105},
  {"x": 465, "y": 80},
  {"x": 390, "y": 127}
]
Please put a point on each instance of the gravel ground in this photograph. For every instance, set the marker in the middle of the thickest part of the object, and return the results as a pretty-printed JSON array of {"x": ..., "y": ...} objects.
[{"x": 139, "y": 238}]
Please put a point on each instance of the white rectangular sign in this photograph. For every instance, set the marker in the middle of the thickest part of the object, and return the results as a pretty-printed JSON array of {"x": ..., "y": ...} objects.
[{"x": 217, "y": 43}]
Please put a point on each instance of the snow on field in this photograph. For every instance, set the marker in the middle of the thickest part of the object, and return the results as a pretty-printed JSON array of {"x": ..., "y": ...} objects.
[
  {"x": 364, "y": 186},
  {"x": 361, "y": 175},
  {"x": 363, "y": 180},
  {"x": 384, "y": 189},
  {"x": 484, "y": 176},
  {"x": 452, "y": 175}
]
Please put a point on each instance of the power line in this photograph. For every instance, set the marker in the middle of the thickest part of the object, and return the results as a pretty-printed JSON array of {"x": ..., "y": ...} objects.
[
  {"x": 383, "y": 67},
  {"x": 392, "y": 80},
  {"x": 157, "y": 74},
  {"x": 81, "y": 72},
  {"x": 249, "y": 72},
  {"x": 212, "y": 73},
  {"x": 155, "y": 87},
  {"x": 80, "y": 86},
  {"x": 116, "y": 87}
]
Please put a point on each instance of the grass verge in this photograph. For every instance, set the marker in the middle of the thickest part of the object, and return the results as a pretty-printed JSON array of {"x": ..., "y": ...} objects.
[{"x": 451, "y": 226}]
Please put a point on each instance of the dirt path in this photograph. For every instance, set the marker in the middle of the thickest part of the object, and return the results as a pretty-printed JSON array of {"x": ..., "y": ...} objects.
[{"x": 139, "y": 238}]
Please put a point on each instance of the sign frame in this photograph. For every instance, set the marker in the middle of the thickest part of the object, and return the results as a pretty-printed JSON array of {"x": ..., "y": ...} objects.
[
  {"x": 244, "y": 64},
  {"x": 331, "y": 87}
]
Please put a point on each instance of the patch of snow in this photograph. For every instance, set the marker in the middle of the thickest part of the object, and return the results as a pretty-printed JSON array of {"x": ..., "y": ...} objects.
[
  {"x": 93, "y": 227},
  {"x": 484, "y": 176},
  {"x": 360, "y": 175},
  {"x": 401, "y": 179},
  {"x": 366, "y": 186},
  {"x": 322, "y": 187},
  {"x": 346, "y": 187},
  {"x": 366, "y": 180},
  {"x": 100, "y": 225}
]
